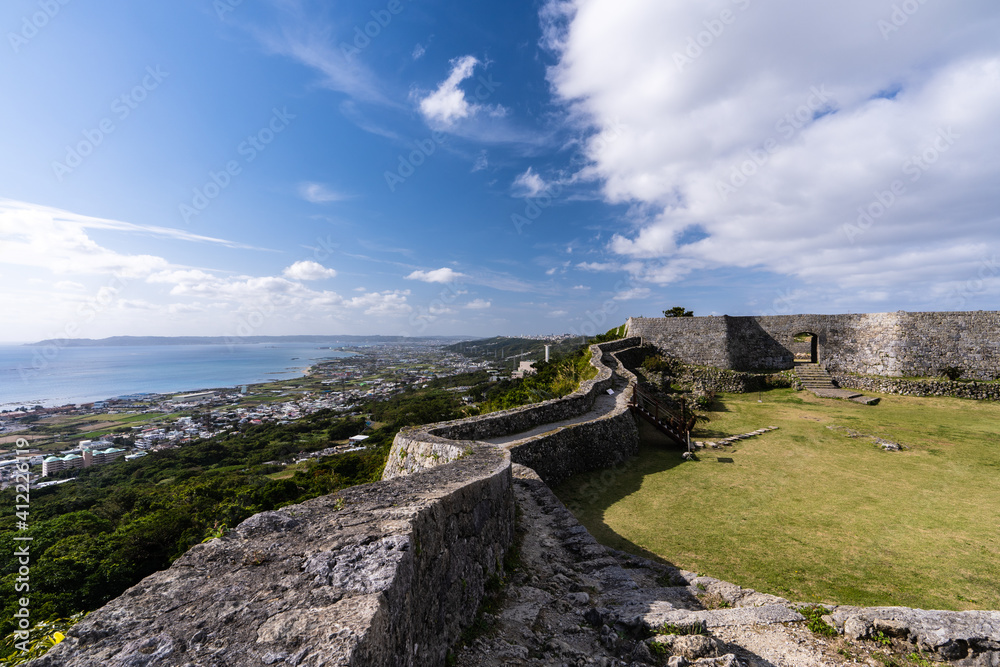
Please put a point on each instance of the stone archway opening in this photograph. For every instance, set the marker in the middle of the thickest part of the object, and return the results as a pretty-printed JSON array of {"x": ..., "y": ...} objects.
[{"x": 805, "y": 347}]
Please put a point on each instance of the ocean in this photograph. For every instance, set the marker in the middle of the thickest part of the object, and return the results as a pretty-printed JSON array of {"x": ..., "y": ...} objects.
[{"x": 56, "y": 376}]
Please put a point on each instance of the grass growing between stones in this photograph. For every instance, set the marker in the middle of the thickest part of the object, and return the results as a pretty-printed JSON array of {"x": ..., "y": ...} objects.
[{"x": 812, "y": 515}]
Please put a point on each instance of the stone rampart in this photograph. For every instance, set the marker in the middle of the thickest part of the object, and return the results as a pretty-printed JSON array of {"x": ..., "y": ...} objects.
[
  {"x": 388, "y": 573},
  {"x": 555, "y": 455},
  {"x": 381, "y": 574},
  {"x": 696, "y": 340},
  {"x": 527, "y": 417},
  {"x": 886, "y": 344}
]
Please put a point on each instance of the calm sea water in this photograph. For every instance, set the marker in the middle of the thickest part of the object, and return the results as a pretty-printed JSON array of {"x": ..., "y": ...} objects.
[{"x": 84, "y": 374}]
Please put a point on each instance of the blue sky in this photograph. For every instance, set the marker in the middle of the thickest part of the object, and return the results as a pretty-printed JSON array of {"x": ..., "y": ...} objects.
[{"x": 401, "y": 167}]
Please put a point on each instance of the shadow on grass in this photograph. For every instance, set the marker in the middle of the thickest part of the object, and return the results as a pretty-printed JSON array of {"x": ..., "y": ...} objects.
[{"x": 588, "y": 496}]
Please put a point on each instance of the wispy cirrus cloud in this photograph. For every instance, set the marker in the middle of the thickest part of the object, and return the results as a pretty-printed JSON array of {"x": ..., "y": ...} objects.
[
  {"x": 318, "y": 193},
  {"x": 309, "y": 42},
  {"x": 17, "y": 215}
]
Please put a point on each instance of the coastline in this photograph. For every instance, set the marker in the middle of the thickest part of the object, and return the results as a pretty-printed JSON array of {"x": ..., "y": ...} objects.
[{"x": 108, "y": 374}]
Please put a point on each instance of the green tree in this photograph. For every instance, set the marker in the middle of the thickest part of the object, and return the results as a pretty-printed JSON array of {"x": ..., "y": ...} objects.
[{"x": 678, "y": 311}]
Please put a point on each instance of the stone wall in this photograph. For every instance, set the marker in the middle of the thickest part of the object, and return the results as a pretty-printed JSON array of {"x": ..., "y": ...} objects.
[
  {"x": 383, "y": 574},
  {"x": 697, "y": 340},
  {"x": 593, "y": 445},
  {"x": 555, "y": 455},
  {"x": 734, "y": 382},
  {"x": 523, "y": 418},
  {"x": 887, "y": 344},
  {"x": 975, "y": 390}
]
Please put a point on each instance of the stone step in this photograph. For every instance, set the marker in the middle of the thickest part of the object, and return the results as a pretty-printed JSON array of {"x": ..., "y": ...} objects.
[{"x": 659, "y": 615}]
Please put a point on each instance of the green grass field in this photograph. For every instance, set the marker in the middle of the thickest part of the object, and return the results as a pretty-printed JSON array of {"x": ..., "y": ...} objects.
[{"x": 812, "y": 515}]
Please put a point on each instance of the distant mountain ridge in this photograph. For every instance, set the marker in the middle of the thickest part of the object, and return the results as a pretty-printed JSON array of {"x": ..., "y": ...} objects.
[{"x": 126, "y": 341}]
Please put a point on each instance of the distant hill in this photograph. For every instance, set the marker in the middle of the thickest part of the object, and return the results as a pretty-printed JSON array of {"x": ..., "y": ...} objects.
[{"x": 125, "y": 341}]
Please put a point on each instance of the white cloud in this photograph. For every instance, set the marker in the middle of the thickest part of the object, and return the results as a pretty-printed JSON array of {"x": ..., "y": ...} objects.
[
  {"x": 479, "y": 304},
  {"x": 528, "y": 184},
  {"x": 481, "y": 162},
  {"x": 598, "y": 266},
  {"x": 26, "y": 220},
  {"x": 448, "y": 104},
  {"x": 308, "y": 270},
  {"x": 142, "y": 294},
  {"x": 317, "y": 193},
  {"x": 391, "y": 302},
  {"x": 756, "y": 149},
  {"x": 136, "y": 304},
  {"x": 57, "y": 241},
  {"x": 443, "y": 275},
  {"x": 632, "y": 294},
  {"x": 418, "y": 51}
]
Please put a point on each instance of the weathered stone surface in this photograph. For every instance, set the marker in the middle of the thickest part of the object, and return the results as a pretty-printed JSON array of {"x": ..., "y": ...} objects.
[
  {"x": 382, "y": 574},
  {"x": 953, "y": 635},
  {"x": 715, "y": 618},
  {"x": 887, "y": 344}
]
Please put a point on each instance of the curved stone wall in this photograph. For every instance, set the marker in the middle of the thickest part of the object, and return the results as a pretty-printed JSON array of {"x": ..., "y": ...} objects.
[
  {"x": 382, "y": 574},
  {"x": 520, "y": 419},
  {"x": 555, "y": 455}
]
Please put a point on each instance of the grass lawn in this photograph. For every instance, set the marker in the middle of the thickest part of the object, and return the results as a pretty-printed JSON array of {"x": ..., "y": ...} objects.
[{"x": 812, "y": 515}]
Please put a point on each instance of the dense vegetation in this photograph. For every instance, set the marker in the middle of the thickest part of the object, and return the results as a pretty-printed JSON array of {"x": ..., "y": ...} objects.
[
  {"x": 552, "y": 380},
  {"x": 100, "y": 534}
]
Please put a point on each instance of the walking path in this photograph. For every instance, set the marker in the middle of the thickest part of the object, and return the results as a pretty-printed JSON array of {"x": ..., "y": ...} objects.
[{"x": 603, "y": 405}]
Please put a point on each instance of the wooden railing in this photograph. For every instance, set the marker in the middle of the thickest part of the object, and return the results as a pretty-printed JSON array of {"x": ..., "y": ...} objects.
[{"x": 675, "y": 424}]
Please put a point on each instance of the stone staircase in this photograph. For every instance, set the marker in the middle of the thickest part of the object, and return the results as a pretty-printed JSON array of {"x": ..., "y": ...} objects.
[{"x": 815, "y": 378}]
